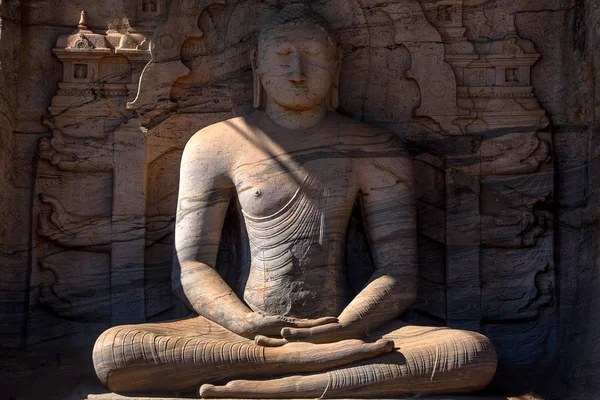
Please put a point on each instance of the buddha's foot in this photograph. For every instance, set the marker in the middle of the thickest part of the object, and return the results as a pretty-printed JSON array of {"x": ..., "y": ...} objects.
[
  {"x": 460, "y": 362},
  {"x": 288, "y": 387},
  {"x": 300, "y": 358}
]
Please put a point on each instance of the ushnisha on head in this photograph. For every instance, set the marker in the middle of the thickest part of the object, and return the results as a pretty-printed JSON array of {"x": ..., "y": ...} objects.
[{"x": 297, "y": 62}]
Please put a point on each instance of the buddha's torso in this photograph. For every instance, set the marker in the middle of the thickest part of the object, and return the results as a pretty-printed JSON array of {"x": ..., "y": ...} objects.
[{"x": 296, "y": 201}]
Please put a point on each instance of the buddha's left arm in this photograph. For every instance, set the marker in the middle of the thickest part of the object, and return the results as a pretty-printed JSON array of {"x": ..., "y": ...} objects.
[
  {"x": 389, "y": 214},
  {"x": 387, "y": 203}
]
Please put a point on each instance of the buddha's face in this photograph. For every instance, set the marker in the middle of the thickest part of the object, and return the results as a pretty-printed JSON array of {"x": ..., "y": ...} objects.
[{"x": 297, "y": 65}]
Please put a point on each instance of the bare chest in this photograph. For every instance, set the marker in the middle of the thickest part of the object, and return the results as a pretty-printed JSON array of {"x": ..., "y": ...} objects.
[{"x": 268, "y": 183}]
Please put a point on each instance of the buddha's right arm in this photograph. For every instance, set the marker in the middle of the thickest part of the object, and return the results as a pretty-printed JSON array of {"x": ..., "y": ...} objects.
[
  {"x": 205, "y": 191},
  {"x": 212, "y": 298}
]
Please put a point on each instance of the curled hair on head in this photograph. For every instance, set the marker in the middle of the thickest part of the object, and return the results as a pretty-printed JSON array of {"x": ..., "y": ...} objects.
[{"x": 295, "y": 14}]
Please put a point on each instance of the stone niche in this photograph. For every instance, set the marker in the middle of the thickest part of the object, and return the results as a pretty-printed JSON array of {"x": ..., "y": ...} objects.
[
  {"x": 106, "y": 177},
  {"x": 468, "y": 113}
]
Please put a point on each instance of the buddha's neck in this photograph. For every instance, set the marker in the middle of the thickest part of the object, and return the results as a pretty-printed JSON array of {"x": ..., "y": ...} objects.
[{"x": 295, "y": 119}]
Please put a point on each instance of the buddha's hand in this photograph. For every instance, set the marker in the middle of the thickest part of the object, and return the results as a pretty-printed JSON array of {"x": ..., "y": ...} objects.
[
  {"x": 258, "y": 324},
  {"x": 325, "y": 333}
]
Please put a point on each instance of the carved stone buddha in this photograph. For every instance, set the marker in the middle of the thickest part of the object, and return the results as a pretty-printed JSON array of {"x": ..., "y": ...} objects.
[{"x": 295, "y": 169}]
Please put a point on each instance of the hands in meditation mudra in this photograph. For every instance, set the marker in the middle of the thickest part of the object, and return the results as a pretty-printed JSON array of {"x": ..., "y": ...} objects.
[{"x": 296, "y": 168}]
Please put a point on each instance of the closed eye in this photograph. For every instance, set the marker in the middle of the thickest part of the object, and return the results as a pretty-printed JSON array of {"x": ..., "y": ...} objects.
[
  {"x": 283, "y": 51},
  {"x": 313, "y": 49}
]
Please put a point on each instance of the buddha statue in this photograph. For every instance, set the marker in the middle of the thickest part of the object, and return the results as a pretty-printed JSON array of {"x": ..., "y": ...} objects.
[{"x": 295, "y": 168}]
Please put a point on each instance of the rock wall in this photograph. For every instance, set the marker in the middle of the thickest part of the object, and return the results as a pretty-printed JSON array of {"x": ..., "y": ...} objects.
[
  {"x": 497, "y": 100},
  {"x": 576, "y": 121},
  {"x": 15, "y": 242},
  {"x": 566, "y": 81}
]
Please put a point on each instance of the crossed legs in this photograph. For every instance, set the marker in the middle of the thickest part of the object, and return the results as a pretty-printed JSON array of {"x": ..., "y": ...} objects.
[
  {"x": 425, "y": 361},
  {"x": 183, "y": 355}
]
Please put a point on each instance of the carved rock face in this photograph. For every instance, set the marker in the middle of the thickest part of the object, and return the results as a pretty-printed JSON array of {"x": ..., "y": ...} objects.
[
  {"x": 296, "y": 65},
  {"x": 456, "y": 82}
]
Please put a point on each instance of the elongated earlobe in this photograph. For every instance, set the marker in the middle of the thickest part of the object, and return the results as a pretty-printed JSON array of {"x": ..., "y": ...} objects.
[
  {"x": 258, "y": 92},
  {"x": 258, "y": 96},
  {"x": 333, "y": 100}
]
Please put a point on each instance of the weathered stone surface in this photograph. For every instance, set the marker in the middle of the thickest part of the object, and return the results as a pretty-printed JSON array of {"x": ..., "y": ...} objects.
[{"x": 506, "y": 187}]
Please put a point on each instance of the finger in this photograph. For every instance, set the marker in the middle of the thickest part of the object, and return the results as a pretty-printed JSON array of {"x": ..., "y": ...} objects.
[
  {"x": 306, "y": 333},
  {"x": 261, "y": 340},
  {"x": 353, "y": 350},
  {"x": 326, "y": 329},
  {"x": 270, "y": 328},
  {"x": 309, "y": 323},
  {"x": 295, "y": 333},
  {"x": 381, "y": 346}
]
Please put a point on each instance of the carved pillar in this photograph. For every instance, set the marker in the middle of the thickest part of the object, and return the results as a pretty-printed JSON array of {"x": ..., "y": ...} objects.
[
  {"x": 89, "y": 258},
  {"x": 513, "y": 173}
]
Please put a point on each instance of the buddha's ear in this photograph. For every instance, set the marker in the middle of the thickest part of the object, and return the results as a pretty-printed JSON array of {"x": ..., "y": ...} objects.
[
  {"x": 259, "y": 97},
  {"x": 334, "y": 91}
]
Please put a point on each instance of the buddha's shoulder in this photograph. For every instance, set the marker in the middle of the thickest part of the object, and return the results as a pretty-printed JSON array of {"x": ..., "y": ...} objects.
[
  {"x": 367, "y": 136},
  {"x": 219, "y": 135}
]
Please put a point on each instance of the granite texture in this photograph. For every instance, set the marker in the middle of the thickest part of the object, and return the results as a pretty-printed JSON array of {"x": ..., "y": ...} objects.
[{"x": 496, "y": 101}]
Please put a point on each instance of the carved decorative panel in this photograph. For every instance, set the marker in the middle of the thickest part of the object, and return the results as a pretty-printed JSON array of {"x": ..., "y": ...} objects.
[{"x": 89, "y": 195}]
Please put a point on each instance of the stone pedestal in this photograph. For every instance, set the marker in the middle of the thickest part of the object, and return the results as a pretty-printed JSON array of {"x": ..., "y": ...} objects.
[{"x": 114, "y": 396}]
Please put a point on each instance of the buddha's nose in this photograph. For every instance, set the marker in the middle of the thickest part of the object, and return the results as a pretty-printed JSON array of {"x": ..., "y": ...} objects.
[
  {"x": 297, "y": 77},
  {"x": 296, "y": 74}
]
